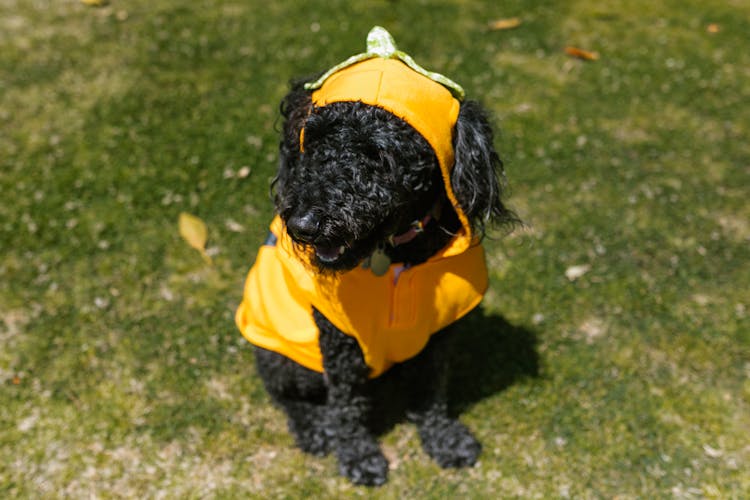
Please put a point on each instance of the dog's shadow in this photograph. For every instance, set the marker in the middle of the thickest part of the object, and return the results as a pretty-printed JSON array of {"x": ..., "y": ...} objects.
[{"x": 489, "y": 355}]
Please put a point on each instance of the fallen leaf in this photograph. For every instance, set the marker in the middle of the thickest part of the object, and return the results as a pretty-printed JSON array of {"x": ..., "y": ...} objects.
[
  {"x": 234, "y": 226},
  {"x": 575, "y": 272},
  {"x": 713, "y": 28},
  {"x": 701, "y": 299},
  {"x": 712, "y": 452},
  {"x": 94, "y": 3},
  {"x": 193, "y": 231},
  {"x": 16, "y": 380},
  {"x": 586, "y": 55},
  {"x": 505, "y": 24},
  {"x": 592, "y": 328}
]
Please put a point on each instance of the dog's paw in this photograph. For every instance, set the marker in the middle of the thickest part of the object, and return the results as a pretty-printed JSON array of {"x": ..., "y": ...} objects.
[
  {"x": 450, "y": 444},
  {"x": 370, "y": 469}
]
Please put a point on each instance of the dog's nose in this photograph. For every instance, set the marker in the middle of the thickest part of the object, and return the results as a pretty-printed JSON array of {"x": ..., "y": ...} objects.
[{"x": 303, "y": 228}]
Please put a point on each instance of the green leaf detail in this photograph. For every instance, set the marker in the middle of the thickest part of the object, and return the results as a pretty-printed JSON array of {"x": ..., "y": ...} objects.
[{"x": 380, "y": 43}]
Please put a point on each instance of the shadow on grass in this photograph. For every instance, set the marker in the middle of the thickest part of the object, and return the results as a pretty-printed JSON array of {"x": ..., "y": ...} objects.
[{"x": 490, "y": 354}]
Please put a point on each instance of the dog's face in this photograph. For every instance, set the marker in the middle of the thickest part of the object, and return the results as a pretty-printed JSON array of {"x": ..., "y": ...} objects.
[{"x": 366, "y": 175}]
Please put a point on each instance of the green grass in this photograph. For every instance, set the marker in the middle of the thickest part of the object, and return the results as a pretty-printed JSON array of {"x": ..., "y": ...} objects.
[{"x": 121, "y": 371}]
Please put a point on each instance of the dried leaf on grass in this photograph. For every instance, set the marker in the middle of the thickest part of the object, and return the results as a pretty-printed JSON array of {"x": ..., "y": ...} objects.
[
  {"x": 505, "y": 24},
  {"x": 712, "y": 452},
  {"x": 586, "y": 55},
  {"x": 234, "y": 226},
  {"x": 94, "y": 3},
  {"x": 575, "y": 272},
  {"x": 193, "y": 230},
  {"x": 713, "y": 28}
]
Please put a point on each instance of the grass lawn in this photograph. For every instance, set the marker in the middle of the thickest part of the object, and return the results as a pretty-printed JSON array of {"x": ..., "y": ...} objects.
[{"x": 122, "y": 373}]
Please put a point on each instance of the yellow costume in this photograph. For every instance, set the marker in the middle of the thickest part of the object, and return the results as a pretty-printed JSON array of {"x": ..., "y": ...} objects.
[{"x": 391, "y": 316}]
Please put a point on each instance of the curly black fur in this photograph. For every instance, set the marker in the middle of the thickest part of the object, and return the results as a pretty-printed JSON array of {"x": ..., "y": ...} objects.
[{"x": 366, "y": 175}]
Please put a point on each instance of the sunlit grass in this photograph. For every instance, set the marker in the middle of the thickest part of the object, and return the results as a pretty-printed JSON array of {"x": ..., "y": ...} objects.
[{"x": 122, "y": 372}]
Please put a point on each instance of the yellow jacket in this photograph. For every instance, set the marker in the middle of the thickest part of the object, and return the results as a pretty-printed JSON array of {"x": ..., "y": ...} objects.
[{"x": 391, "y": 316}]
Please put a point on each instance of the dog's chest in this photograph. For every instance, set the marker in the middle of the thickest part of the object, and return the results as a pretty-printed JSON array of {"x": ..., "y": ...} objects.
[{"x": 392, "y": 317}]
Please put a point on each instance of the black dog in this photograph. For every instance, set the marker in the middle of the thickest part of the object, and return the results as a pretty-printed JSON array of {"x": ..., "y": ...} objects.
[{"x": 358, "y": 184}]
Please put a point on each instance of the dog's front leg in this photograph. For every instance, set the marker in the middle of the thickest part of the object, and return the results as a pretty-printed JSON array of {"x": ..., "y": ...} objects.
[
  {"x": 445, "y": 439},
  {"x": 346, "y": 374}
]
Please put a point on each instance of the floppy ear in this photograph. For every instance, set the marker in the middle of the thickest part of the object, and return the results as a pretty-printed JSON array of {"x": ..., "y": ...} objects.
[
  {"x": 294, "y": 108},
  {"x": 476, "y": 169}
]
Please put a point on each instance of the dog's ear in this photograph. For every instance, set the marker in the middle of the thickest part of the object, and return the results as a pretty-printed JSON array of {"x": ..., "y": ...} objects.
[
  {"x": 295, "y": 108},
  {"x": 478, "y": 178}
]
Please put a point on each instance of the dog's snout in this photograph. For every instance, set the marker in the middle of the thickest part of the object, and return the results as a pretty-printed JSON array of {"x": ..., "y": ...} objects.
[{"x": 303, "y": 228}]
